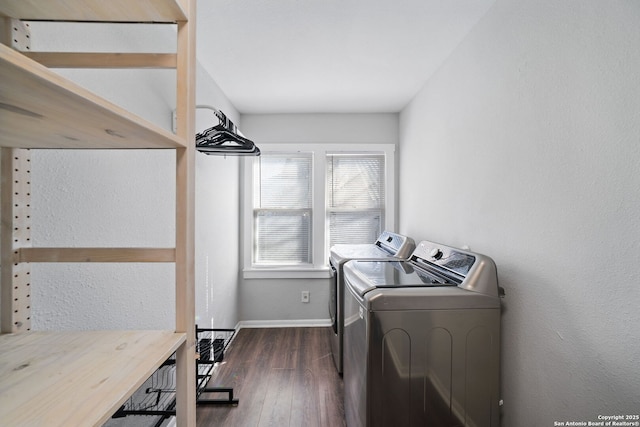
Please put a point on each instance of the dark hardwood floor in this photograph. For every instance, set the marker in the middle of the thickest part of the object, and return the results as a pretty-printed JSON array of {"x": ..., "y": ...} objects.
[{"x": 282, "y": 377}]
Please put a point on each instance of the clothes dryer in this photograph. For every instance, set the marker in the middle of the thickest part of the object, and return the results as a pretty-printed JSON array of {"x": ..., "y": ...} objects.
[{"x": 388, "y": 246}]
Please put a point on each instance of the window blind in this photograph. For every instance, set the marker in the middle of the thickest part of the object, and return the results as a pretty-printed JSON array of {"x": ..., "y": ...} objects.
[
  {"x": 355, "y": 197},
  {"x": 282, "y": 214}
]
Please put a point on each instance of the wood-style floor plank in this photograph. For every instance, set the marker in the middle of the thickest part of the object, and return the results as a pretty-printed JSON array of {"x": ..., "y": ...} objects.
[
  {"x": 276, "y": 407},
  {"x": 282, "y": 377}
]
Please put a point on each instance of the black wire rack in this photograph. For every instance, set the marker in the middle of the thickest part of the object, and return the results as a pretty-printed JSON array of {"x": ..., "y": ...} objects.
[{"x": 157, "y": 396}]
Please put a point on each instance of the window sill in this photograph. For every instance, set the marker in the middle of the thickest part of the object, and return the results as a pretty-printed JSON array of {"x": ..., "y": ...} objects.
[{"x": 287, "y": 273}]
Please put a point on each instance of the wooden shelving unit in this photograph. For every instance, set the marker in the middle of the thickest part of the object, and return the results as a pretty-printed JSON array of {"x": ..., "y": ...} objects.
[{"x": 80, "y": 378}]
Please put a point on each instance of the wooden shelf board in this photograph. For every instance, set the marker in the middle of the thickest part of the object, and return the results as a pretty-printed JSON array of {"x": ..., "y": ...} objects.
[
  {"x": 76, "y": 378},
  {"x": 41, "y": 109},
  {"x": 30, "y": 254},
  {"x": 103, "y": 60},
  {"x": 94, "y": 10}
]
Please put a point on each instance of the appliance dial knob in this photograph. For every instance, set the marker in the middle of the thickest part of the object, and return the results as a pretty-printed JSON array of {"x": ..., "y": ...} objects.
[{"x": 436, "y": 253}]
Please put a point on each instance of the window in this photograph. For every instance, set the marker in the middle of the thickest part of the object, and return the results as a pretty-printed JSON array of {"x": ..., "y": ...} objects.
[
  {"x": 282, "y": 209},
  {"x": 299, "y": 202}
]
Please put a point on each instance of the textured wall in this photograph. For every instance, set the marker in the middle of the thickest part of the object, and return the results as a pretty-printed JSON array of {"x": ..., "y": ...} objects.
[
  {"x": 526, "y": 142},
  {"x": 103, "y": 198}
]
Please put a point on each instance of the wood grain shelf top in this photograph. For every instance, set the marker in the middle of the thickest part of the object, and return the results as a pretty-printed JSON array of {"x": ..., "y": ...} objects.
[
  {"x": 76, "y": 378},
  {"x": 41, "y": 109}
]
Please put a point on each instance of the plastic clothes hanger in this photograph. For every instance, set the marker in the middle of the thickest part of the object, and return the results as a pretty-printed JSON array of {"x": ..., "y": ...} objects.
[{"x": 224, "y": 138}]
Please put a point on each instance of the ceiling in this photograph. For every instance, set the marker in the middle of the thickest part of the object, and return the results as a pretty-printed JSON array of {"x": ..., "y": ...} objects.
[{"x": 328, "y": 56}]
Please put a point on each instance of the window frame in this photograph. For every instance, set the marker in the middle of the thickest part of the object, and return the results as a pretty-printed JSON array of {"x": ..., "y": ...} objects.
[{"x": 319, "y": 268}]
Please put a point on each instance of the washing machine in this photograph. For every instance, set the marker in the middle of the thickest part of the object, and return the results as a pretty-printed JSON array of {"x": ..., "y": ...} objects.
[
  {"x": 422, "y": 340},
  {"x": 388, "y": 246}
]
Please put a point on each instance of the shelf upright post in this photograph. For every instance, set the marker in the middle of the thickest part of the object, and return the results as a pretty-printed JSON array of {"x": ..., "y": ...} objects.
[
  {"x": 16, "y": 233},
  {"x": 185, "y": 217},
  {"x": 15, "y": 214}
]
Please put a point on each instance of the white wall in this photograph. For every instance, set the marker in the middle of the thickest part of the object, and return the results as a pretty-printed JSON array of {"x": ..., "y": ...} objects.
[
  {"x": 277, "y": 301},
  {"x": 217, "y": 220},
  {"x": 527, "y": 144},
  {"x": 127, "y": 198}
]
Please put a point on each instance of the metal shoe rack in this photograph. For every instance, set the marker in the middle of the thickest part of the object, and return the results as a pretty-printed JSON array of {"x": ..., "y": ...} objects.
[{"x": 157, "y": 396}]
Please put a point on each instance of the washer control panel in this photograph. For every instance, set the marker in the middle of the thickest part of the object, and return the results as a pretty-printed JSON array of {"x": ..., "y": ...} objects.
[{"x": 454, "y": 260}]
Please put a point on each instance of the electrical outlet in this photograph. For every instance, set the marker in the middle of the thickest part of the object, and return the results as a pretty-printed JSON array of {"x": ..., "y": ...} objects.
[{"x": 304, "y": 297}]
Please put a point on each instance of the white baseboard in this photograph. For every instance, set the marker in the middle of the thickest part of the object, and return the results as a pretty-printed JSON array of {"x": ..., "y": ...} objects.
[{"x": 301, "y": 323}]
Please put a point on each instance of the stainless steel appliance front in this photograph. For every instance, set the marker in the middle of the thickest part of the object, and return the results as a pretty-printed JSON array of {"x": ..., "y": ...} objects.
[{"x": 421, "y": 348}]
